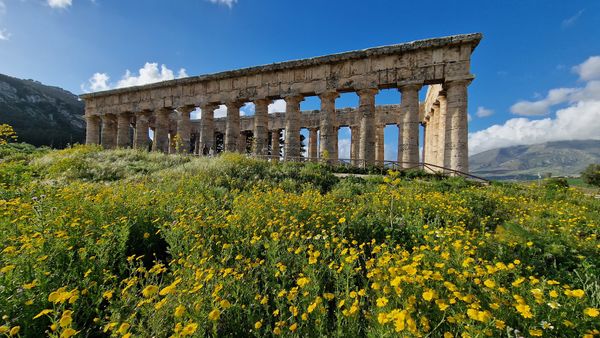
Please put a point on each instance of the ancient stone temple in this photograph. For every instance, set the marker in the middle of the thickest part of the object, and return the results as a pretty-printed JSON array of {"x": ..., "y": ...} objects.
[{"x": 124, "y": 117}]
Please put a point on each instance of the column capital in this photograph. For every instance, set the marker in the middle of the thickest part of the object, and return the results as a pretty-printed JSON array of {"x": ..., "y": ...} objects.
[
  {"x": 186, "y": 109},
  {"x": 329, "y": 94},
  {"x": 460, "y": 80},
  {"x": 367, "y": 92},
  {"x": 409, "y": 85},
  {"x": 234, "y": 104},
  {"x": 293, "y": 98},
  {"x": 262, "y": 101},
  {"x": 144, "y": 112}
]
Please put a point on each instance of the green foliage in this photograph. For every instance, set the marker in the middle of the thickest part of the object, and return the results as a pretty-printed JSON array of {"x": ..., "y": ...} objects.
[
  {"x": 591, "y": 175},
  {"x": 121, "y": 241}
]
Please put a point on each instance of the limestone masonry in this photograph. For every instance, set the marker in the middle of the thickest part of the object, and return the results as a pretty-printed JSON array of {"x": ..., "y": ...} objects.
[{"x": 123, "y": 117}]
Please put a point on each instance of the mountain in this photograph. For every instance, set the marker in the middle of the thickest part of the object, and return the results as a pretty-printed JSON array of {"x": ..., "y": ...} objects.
[
  {"x": 40, "y": 114},
  {"x": 560, "y": 158}
]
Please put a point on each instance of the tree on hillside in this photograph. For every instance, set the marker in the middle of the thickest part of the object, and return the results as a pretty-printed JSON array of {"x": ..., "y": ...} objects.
[
  {"x": 7, "y": 134},
  {"x": 591, "y": 175}
]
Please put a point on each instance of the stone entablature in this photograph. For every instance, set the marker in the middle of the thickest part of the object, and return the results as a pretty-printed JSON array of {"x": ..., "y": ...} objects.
[{"x": 409, "y": 66}]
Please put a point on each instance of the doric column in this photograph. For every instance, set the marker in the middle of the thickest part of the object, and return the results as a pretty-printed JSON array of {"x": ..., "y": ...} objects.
[
  {"x": 456, "y": 94},
  {"x": 242, "y": 142},
  {"x": 109, "y": 131},
  {"x": 366, "y": 111},
  {"x": 123, "y": 134},
  {"x": 379, "y": 145},
  {"x": 313, "y": 152},
  {"x": 434, "y": 135},
  {"x": 232, "y": 127},
  {"x": 443, "y": 155},
  {"x": 355, "y": 144},
  {"x": 408, "y": 140},
  {"x": 141, "y": 130},
  {"x": 92, "y": 129},
  {"x": 184, "y": 128},
  {"x": 207, "y": 129},
  {"x": 275, "y": 134},
  {"x": 292, "y": 126},
  {"x": 161, "y": 130},
  {"x": 426, "y": 142},
  {"x": 328, "y": 127},
  {"x": 261, "y": 122}
]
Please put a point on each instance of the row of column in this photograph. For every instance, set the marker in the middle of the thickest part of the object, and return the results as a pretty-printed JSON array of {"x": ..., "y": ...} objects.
[{"x": 447, "y": 127}]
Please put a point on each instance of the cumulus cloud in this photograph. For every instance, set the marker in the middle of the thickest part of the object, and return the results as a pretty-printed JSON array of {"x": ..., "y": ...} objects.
[
  {"x": 4, "y": 34},
  {"x": 150, "y": 73},
  {"x": 484, "y": 112},
  {"x": 228, "y": 3},
  {"x": 278, "y": 106},
  {"x": 579, "y": 120},
  {"x": 344, "y": 145},
  {"x": 589, "y": 70},
  {"x": 60, "y": 3}
]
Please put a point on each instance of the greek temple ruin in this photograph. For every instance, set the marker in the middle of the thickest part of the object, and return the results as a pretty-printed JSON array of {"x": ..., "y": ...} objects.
[{"x": 128, "y": 117}]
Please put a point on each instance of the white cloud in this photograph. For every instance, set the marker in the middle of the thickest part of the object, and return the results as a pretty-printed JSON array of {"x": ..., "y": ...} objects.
[
  {"x": 484, "y": 112},
  {"x": 98, "y": 82},
  {"x": 541, "y": 107},
  {"x": 4, "y": 35},
  {"x": 570, "y": 21},
  {"x": 589, "y": 70},
  {"x": 147, "y": 74},
  {"x": 221, "y": 111},
  {"x": 344, "y": 148},
  {"x": 579, "y": 120},
  {"x": 228, "y": 3},
  {"x": 278, "y": 106},
  {"x": 60, "y": 3}
]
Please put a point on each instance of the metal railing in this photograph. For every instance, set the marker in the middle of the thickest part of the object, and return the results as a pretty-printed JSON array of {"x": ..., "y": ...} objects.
[{"x": 383, "y": 166}]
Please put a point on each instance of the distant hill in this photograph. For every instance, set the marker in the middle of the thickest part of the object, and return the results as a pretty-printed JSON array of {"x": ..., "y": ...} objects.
[
  {"x": 527, "y": 161},
  {"x": 40, "y": 114}
]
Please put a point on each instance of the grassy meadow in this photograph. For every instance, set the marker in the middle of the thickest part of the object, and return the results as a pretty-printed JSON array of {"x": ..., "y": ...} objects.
[{"x": 125, "y": 243}]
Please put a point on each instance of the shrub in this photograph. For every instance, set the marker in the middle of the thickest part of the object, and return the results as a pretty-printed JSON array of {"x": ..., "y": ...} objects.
[{"x": 591, "y": 175}]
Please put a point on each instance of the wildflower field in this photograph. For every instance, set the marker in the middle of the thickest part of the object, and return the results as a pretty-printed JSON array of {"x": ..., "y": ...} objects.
[{"x": 132, "y": 244}]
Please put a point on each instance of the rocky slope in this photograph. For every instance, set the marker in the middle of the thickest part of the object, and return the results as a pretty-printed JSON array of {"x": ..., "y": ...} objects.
[
  {"x": 527, "y": 161},
  {"x": 40, "y": 114}
]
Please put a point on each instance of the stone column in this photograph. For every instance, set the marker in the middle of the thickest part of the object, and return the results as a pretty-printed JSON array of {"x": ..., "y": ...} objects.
[
  {"x": 379, "y": 145},
  {"x": 141, "y": 130},
  {"x": 232, "y": 127},
  {"x": 366, "y": 111},
  {"x": 242, "y": 142},
  {"x": 443, "y": 133},
  {"x": 292, "y": 127},
  {"x": 313, "y": 152},
  {"x": 109, "y": 131},
  {"x": 275, "y": 134},
  {"x": 408, "y": 140},
  {"x": 456, "y": 93},
  {"x": 184, "y": 128},
  {"x": 207, "y": 129},
  {"x": 161, "y": 130},
  {"x": 328, "y": 127},
  {"x": 92, "y": 129},
  {"x": 123, "y": 134},
  {"x": 261, "y": 122},
  {"x": 355, "y": 144},
  {"x": 426, "y": 142},
  {"x": 434, "y": 135}
]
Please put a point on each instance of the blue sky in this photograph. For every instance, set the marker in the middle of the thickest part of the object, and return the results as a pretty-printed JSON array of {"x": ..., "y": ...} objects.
[{"x": 540, "y": 52}]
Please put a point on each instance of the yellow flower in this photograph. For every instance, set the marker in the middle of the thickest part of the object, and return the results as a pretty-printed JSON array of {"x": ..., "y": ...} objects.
[
  {"x": 123, "y": 328},
  {"x": 14, "y": 331},
  {"x": 553, "y": 294},
  {"x": 293, "y": 327},
  {"x": 592, "y": 312},
  {"x": 524, "y": 310},
  {"x": 3, "y": 329},
  {"x": 214, "y": 315},
  {"x": 489, "y": 283},
  {"x": 302, "y": 281},
  {"x": 381, "y": 302},
  {"x": 179, "y": 311},
  {"x": 428, "y": 295},
  {"x": 258, "y": 325},
  {"x": 225, "y": 304},
  {"x": 277, "y": 331},
  {"x": 342, "y": 220},
  {"x": 535, "y": 333},
  {"x": 65, "y": 320},
  {"x": 107, "y": 294},
  {"x": 42, "y": 313},
  {"x": 67, "y": 333},
  {"x": 150, "y": 291},
  {"x": 189, "y": 329},
  {"x": 171, "y": 288},
  {"x": 328, "y": 296}
]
